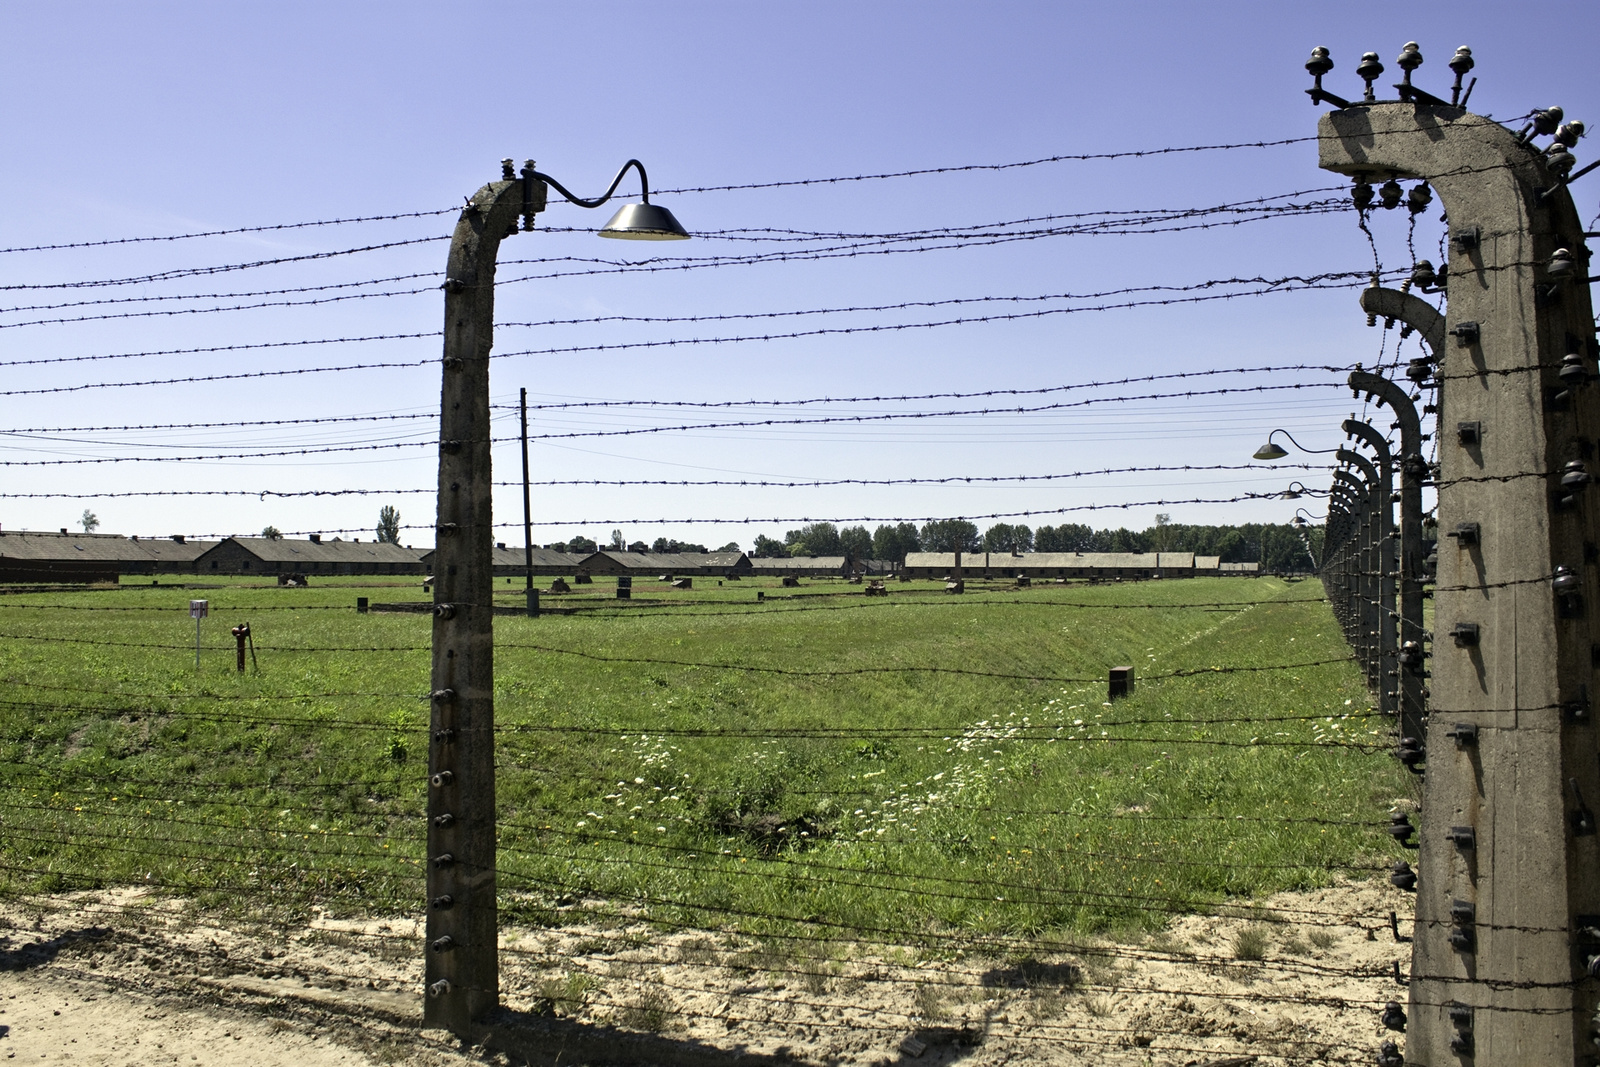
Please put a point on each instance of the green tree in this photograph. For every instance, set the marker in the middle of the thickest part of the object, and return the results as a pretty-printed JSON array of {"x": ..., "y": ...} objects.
[
  {"x": 272, "y": 533},
  {"x": 769, "y": 548},
  {"x": 1004, "y": 537},
  {"x": 669, "y": 546},
  {"x": 731, "y": 546},
  {"x": 816, "y": 539},
  {"x": 1231, "y": 546},
  {"x": 855, "y": 542},
  {"x": 89, "y": 520},
  {"x": 389, "y": 524},
  {"x": 582, "y": 546},
  {"x": 893, "y": 542},
  {"x": 1126, "y": 540},
  {"x": 950, "y": 535},
  {"x": 1068, "y": 537},
  {"x": 618, "y": 542}
]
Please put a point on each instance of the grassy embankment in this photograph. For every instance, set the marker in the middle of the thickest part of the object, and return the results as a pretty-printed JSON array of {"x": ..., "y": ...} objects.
[{"x": 644, "y": 762}]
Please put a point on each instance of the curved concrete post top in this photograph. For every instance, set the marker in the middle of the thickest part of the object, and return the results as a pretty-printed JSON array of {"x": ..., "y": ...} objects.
[
  {"x": 1414, "y": 311},
  {"x": 1371, "y": 437},
  {"x": 1366, "y": 483}
]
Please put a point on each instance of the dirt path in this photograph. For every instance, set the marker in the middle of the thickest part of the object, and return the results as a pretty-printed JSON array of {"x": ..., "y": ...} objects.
[
  {"x": 86, "y": 1022},
  {"x": 128, "y": 978}
]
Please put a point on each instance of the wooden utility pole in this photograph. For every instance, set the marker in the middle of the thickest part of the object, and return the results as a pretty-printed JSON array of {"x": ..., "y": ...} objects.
[
  {"x": 462, "y": 969},
  {"x": 1509, "y": 868}
]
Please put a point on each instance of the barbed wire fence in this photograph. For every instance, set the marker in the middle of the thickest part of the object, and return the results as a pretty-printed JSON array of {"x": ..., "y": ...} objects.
[{"x": 696, "y": 910}]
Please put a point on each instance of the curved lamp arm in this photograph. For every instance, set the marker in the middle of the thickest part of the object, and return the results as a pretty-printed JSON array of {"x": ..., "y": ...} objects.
[
  {"x": 1271, "y": 450},
  {"x": 1297, "y": 444},
  {"x": 644, "y": 185},
  {"x": 1301, "y": 489}
]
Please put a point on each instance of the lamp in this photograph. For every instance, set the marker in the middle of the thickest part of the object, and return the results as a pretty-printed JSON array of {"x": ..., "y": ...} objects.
[
  {"x": 632, "y": 222},
  {"x": 1270, "y": 451},
  {"x": 1297, "y": 490}
]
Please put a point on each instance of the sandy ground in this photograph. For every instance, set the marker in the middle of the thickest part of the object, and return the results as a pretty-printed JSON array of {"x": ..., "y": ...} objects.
[{"x": 131, "y": 979}]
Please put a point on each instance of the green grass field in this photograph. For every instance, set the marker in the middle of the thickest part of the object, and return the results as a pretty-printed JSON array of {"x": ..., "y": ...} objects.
[{"x": 921, "y": 763}]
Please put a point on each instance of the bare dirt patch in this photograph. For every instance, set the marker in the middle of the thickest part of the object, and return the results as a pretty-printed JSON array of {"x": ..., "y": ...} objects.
[{"x": 128, "y": 977}]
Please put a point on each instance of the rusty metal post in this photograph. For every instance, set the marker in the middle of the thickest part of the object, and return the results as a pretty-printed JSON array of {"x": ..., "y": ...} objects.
[
  {"x": 240, "y": 633},
  {"x": 462, "y": 967},
  {"x": 1508, "y": 888}
]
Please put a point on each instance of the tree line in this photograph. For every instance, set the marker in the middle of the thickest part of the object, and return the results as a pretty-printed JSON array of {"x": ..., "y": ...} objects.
[
  {"x": 1276, "y": 546},
  {"x": 581, "y": 545}
]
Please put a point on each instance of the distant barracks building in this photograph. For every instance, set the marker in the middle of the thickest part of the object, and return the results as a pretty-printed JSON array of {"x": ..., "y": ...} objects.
[
  {"x": 41, "y": 556},
  {"x": 281, "y": 555},
  {"x": 1047, "y": 565}
]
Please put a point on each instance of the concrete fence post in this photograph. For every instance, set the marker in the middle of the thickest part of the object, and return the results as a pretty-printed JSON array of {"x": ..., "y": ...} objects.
[
  {"x": 462, "y": 966},
  {"x": 1509, "y": 865},
  {"x": 1341, "y": 556},
  {"x": 1365, "y": 578},
  {"x": 1385, "y": 620},
  {"x": 1405, "y": 673}
]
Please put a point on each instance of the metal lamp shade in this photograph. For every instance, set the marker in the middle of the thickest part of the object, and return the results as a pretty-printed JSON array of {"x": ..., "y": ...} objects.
[
  {"x": 1270, "y": 450},
  {"x": 644, "y": 222}
]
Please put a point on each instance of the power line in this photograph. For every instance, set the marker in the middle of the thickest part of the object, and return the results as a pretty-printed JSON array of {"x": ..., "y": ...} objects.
[
  {"x": 222, "y": 348},
  {"x": 971, "y": 167},
  {"x": 742, "y": 667},
  {"x": 223, "y": 268},
  {"x": 1145, "y": 226},
  {"x": 1268, "y": 289},
  {"x": 686, "y": 189},
  {"x": 750, "y": 520},
  {"x": 225, "y": 233},
  {"x": 847, "y": 672},
  {"x": 319, "y": 421},
  {"x": 607, "y": 267},
  {"x": 736, "y": 482},
  {"x": 1120, "y": 216},
  {"x": 741, "y": 424}
]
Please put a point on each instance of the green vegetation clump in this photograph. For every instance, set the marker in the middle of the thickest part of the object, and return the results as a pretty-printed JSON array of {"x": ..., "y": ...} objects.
[{"x": 900, "y": 768}]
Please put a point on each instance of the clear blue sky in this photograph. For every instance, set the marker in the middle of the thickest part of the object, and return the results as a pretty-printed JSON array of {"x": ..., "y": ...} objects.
[{"x": 133, "y": 120}]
